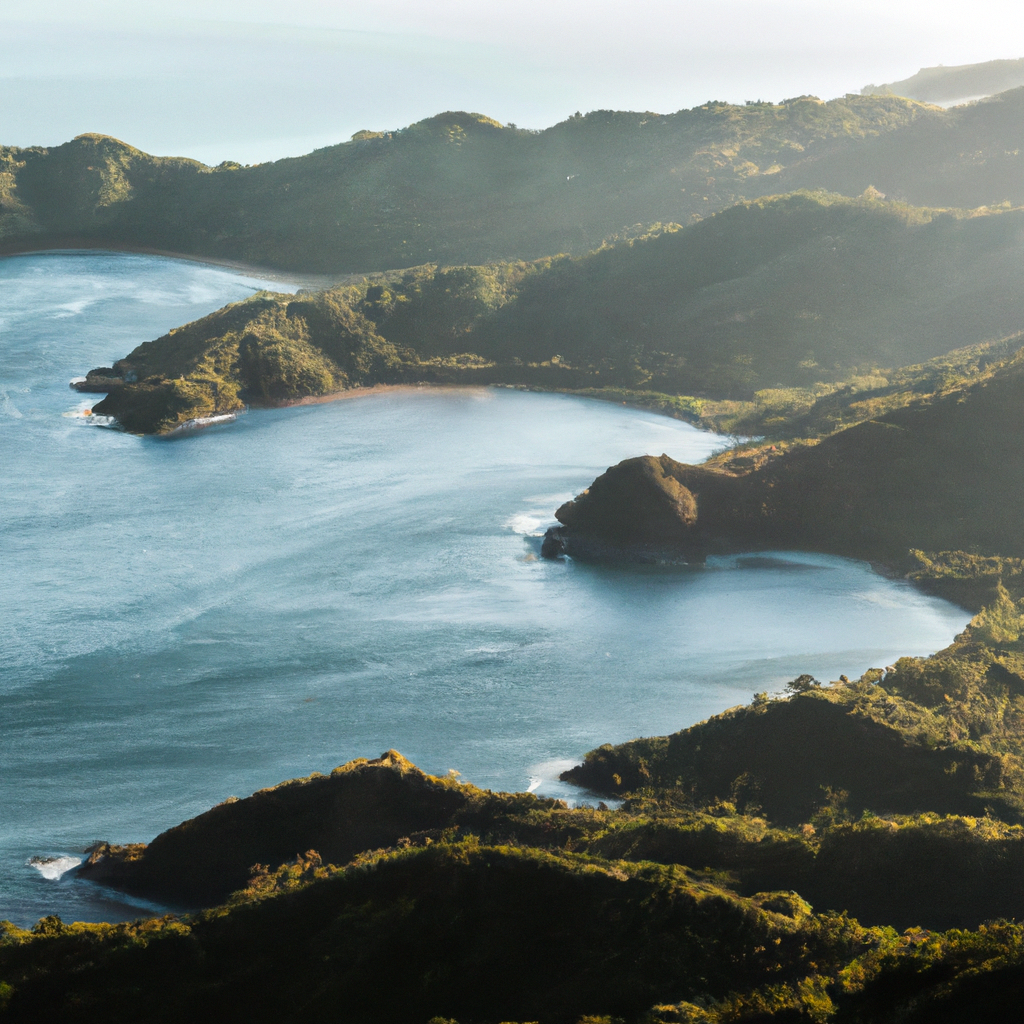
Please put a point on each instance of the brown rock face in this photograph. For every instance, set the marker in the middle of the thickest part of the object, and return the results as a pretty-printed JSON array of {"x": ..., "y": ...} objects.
[{"x": 638, "y": 501}]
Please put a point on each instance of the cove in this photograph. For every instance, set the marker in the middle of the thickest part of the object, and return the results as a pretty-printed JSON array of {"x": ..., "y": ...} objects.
[{"x": 184, "y": 620}]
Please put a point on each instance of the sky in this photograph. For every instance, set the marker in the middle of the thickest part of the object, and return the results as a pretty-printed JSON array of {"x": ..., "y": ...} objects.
[{"x": 255, "y": 80}]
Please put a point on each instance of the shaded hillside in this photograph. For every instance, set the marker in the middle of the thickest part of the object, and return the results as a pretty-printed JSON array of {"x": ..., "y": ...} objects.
[
  {"x": 961, "y": 82},
  {"x": 456, "y": 188},
  {"x": 968, "y": 157},
  {"x": 943, "y": 473},
  {"x": 460, "y": 930},
  {"x": 359, "y": 806},
  {"x": 808, "y": 291},
  {"x": 465, "y": 931}
]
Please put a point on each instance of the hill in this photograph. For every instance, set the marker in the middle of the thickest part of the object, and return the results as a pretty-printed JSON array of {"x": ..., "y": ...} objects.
[
  {"x": 943, "y": 472},
  {"x": 968, "y": 156},
  {"x": 680, "y": 906},
  {"x": 895, "y": 798},
  {"x": 453, "y": 189},
  {"x": 460, "y": 188},
  {"x": 958, "y": 83},
  {"x": 808, "y": 291}
]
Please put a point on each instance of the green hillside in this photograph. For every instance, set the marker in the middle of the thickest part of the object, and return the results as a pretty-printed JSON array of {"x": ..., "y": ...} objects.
[
  {"x": 968, "y": 156},
  {"x": 807, "y": 292},
  {"x": 892, "y": 803},
  {"x": 460, "y": 188},
  {"x": 943, "y": 472},
  {"x": 453, "y": 189}
]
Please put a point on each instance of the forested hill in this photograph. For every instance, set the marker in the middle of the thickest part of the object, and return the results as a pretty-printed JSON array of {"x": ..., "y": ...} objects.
[
  {"x": 460, "y": 188},
  {"x": 796, "y": 292}
]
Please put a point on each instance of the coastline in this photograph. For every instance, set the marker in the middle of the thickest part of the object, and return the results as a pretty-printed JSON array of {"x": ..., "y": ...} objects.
[
  {"x": 359, "y": 392},
  {"x": 81, "y": 246}
]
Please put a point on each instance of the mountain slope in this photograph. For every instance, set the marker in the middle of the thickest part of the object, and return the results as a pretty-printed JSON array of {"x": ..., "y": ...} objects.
[
  {"x": 455, "y": 188},
  {"x": 948, "y": 84}
]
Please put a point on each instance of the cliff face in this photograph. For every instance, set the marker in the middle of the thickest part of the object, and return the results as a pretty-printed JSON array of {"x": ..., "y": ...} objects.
[{"x": 944, "y": 473}]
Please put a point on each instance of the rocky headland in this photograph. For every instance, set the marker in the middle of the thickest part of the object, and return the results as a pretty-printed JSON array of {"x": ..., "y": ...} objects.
[{"x": 945, "y": 472}]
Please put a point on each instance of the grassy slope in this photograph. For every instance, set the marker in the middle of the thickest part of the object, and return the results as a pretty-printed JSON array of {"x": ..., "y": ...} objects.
[{"x": 805, "y": 292}]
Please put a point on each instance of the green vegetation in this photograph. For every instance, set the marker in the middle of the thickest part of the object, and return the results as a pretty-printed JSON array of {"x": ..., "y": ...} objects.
[
  {"x": 847, "y": 852},
  {"x": 840, "y": 852},
  {"x": 773, "y": 317},
  {"x": 426, "y": 193},
  {"x": 509, "y": 907},
  {"x": 452, "y": 930},
  {"x": 942, "y": 472}
]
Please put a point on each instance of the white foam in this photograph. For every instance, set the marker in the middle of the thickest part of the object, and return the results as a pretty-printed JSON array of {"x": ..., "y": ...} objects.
[
  {"x": 52, "y": 868},
  {"x": 74, "y": 308},
  {"x": 529, "y": 524},
  {"x": 203, "y": 421}
]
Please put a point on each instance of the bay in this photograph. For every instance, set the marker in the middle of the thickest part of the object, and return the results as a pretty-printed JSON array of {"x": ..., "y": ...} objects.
[{"x": 184, "y": 620}]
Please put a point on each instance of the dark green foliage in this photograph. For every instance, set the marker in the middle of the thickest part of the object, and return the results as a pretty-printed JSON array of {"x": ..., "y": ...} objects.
[
  {"x": 785, "y": 759},
  {"x": 426, "y": 194},
  {"x": 944, "y": 472},
  {"x": 459, "y": 931},
  {"x": 968, "y": 580},
  {"x": 359, "y": 806}
]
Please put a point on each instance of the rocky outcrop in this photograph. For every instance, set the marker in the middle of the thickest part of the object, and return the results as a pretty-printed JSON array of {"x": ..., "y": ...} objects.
[{"x": 645, "y": 509}]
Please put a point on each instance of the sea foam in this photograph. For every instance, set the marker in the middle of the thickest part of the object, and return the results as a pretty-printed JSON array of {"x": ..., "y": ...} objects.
[{"x": 52, "y": 868}]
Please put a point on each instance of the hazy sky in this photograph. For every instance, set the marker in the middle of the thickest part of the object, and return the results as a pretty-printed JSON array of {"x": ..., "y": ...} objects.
[{"x": 254, "y": 80}]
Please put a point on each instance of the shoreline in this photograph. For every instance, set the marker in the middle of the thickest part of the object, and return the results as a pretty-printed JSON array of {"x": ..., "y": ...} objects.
[
  {"x": 79, "y": 246},
  {"x": 374, "y": 389},
  {"x": 888, "y": 570}
]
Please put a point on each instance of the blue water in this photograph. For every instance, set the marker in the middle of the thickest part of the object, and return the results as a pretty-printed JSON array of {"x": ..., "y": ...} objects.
[{"x": 185, "y": 620}]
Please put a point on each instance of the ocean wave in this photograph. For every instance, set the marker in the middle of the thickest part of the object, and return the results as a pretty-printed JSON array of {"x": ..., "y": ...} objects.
[
  {"x": 52, "y": 868},
  {"x": 529, "y": 524},
  {"x": 200, "y": 422}
]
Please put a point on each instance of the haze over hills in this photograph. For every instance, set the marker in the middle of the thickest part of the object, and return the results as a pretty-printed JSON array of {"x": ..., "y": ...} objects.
[
  {"x": 460, "y": 188},
  {"x": 948, "y": 85}
]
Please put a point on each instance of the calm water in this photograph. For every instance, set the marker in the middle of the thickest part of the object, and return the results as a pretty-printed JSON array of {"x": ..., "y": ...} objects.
[{"x": 185, "y": 620}]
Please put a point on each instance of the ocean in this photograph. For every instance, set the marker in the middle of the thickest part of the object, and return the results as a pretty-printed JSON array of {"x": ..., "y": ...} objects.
[{"x": 184, "y": 620}]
